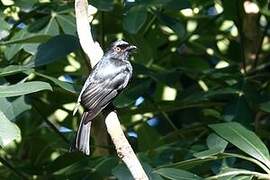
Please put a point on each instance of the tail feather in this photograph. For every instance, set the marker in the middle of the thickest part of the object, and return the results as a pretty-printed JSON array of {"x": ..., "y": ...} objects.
[{"x": 83, "y": 135}]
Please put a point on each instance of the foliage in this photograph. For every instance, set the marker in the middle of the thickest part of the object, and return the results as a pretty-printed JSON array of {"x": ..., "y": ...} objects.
[{"x": 197, "y": 106}]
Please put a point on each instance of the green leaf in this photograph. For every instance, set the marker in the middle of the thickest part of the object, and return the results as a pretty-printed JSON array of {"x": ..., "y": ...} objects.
[
  {"x": 11, "y": 50},
  {"x": 121, "y": 172},
  {"x": 265, "y": 106},
  {"x": 174, "y": 24},
  {"x": 56, "y": 48},
  {"x": 28, "y": 38},
  {"x": 67, "y": 23},
  {"x": 4, "y": 28},
  {"x": 26, "y": 5},
  {"x": 134, "y": 19},
  {"x": 244, "y": 139},
  {"x": 14, "y": 108},
  {"x": 102, "y": 5},
  {"x": 231, "y": 9},
  {"x": 129, "y": 96},
  {"x": 51, "y": 28},
  {"x": 12, "y": 69},
  {"x": 177, "y": 5},
  {"x": 146, "y": 134},
  {"x": 67, "y": 86},
  {"x": 8, "y": 130},
  {"x": 177, "y": 174},
  {"x": 238, "y": 110},
  {"x": 24, "y": 88},
  {"x": 234, "y": 174},
  {"x": 215, "y": 144}
]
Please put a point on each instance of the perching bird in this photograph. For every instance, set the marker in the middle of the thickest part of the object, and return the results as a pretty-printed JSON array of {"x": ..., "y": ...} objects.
[{"x": 107, "y": 79}]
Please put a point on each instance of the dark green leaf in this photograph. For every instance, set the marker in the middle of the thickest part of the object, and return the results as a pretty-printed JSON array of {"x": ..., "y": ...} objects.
[
  {"x": 121, "y": 172},
  {"x": 103, "y": 5},
  {"x": 54, "y": 50},
  {"x": 265, "y": 106},
  {"x": 174, "y": 24},
  {"x": 134, "y": 19},
  {"x": 238, "y": 110},
  {"x": 130, "y": 95}
]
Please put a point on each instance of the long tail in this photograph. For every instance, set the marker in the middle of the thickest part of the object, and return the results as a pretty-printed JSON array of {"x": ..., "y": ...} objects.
[{"x": 83, "y": 135}]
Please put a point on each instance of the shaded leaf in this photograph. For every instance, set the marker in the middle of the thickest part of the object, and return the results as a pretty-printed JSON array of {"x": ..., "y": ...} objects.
[
  {"x": 265, "y": 106},
  {"x": 238, "y": 110},
  {"x": 121, "y": 172},
  {"x": 102, "y": 5},
  {"x": 134, "y": 19},
  {"x": 174, "y": 24},
  {"x": 129, "y": 96},
  {"x": 12, "y": 109},
  {"x": 54, "y": 50}
]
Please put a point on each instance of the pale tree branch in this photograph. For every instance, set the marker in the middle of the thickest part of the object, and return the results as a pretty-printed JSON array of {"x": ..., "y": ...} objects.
[
  {"x": 94, "y": 53},
  {"x": 91, "y": 48}
]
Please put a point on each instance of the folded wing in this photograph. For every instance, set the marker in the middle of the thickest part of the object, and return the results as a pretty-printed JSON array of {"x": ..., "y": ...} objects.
[{"x": 99, "y": 93}]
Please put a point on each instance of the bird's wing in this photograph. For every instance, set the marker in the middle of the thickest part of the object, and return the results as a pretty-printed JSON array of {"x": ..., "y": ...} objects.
[
  {"x": 87, "y": 82},
  {"x": 98, "y": 94}
]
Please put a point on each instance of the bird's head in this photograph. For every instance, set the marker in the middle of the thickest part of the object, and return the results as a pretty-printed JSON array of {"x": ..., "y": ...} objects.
[{"x": 121, "y": 49}]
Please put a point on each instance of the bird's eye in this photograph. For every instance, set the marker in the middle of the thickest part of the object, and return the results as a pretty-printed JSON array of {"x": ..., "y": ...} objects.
[{"x": 118, "y": 49}]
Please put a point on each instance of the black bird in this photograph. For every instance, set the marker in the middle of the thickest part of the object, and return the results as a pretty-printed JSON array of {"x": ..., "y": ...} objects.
[{"x": 106, "y": 80}]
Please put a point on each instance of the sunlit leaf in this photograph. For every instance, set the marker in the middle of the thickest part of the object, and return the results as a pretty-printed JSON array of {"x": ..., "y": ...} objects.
[
  {"x": 8, "y": 131},
  {"x": 13, "y": 108},
  {"x": 65, "y": 85},
  {"x": 67, "y": 23},
  {"x": 244, "y": 139},
  {"x": 215, "y": 144},
  {"x": 12, "y": 69},
  {"x": 176, "y": 174},
  {"x": 23, "y": 88}
]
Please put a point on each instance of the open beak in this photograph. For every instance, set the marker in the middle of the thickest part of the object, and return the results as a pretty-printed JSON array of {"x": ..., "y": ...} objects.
[{"x": 131, "y": 48}]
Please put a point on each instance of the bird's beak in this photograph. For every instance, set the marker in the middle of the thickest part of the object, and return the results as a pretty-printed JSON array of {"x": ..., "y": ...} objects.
[{"x": 131, "y": 48}]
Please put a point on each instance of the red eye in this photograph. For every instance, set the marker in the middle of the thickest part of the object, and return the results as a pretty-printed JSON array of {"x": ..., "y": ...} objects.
[{"x": 118, "y": 49}]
